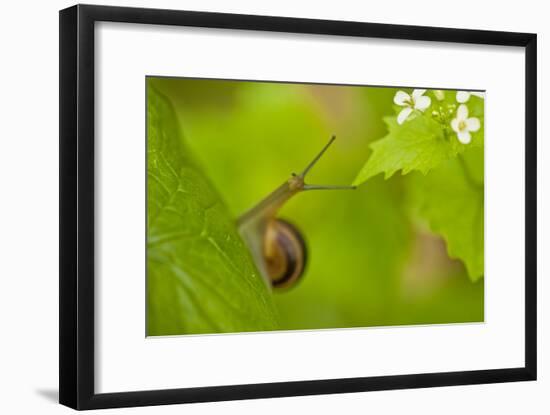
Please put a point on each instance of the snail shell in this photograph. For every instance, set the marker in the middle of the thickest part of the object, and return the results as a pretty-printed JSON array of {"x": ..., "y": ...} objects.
[
  {"x": 285, "y": 254},
  {"x": 277, "y": 247}
]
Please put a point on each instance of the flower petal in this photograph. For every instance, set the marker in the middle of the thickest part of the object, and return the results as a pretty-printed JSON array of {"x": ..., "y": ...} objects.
[
  {"x": 462, "y": 112},
  {"x": 464, "y": 137},
  {"x": 405, "y": 112},
  {"x": 422, "y": 102},
  {"x": 473, "y": 124},
  {"x": 417, "y": 93},
  {"x": 454, "y": 125},
  {"x": 401, "y": 98},
  {"x": 462, "y": 96}
]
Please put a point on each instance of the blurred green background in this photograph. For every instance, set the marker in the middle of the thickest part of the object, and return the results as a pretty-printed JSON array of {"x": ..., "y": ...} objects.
[{"x": 371, "y": 261}]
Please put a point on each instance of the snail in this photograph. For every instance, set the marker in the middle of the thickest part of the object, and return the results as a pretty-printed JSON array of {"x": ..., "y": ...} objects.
[{"x": 277, "y": 246}]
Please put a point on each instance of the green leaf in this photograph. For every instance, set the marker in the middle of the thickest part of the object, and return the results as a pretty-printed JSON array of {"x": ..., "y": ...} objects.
[
  {"x": 200, "y": 275},
  {"x": 418, "y": 144},
  {"x": 450, "y": 199},
  {"x": 421, "y": 143}
]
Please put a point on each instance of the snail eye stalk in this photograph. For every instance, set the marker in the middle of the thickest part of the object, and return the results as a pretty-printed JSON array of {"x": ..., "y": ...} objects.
[
  {"x": 317, "y": 157},
  {"x": 310, "y": 166}
]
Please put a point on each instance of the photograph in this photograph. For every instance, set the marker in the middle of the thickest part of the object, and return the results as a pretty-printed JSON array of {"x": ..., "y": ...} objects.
[{"x": 301, "y": 206}]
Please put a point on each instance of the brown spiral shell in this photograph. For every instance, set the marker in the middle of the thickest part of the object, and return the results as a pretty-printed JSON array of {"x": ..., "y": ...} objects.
[{"x": 285, "y": 254}]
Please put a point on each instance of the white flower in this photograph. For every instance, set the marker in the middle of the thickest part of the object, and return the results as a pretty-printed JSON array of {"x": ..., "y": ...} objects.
[
  {"x": 464, "y": 96},
  {"x": 463, "y": 125},
  {"x": 415, "y": 101}
]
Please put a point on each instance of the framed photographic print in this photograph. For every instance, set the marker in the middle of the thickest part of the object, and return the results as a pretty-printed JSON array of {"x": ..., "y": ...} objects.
[{"x": 258, "y": 206}]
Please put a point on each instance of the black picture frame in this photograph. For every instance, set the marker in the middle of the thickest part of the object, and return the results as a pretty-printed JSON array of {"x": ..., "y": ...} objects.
[{"x": 76, "y": 279}]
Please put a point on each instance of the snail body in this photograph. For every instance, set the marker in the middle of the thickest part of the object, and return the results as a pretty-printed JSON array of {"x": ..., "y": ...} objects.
[{"x": 277, "y": 246}]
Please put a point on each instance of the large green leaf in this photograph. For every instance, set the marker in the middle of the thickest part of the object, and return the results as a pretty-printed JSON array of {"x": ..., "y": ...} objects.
[
  {"x": 200, "y": 276},
  {"x": 451, "y": 199}
]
